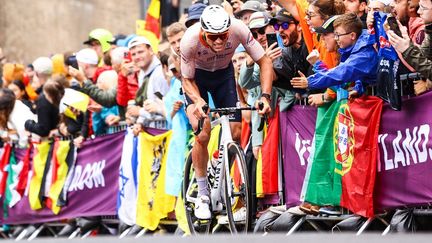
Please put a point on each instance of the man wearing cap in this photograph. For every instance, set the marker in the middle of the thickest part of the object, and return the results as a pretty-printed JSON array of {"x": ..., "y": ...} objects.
[
  {"x": 43, "y": 69},
  {"x": 87, "y": 61},
  {"x": 140, "y": 79},
  {"x": 287, "y": 60},
  {"x": 100, "y": 41},
  {"x": 248, "y": 8}
]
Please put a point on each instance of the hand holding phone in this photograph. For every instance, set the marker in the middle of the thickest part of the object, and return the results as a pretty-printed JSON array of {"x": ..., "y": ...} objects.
[
  {"x": 272, "y": 38},
  {"x": 393, "y": 25},
  {"x": 128, "y": 56}
]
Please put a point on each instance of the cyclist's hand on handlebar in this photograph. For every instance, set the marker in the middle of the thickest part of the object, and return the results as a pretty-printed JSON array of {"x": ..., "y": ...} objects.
[
  {"x": 265, "y": 108},
  {"x": 198, "y": 111}
]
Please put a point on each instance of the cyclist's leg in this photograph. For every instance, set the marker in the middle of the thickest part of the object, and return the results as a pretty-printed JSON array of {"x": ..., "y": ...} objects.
[{"x": 199, "y": 151}]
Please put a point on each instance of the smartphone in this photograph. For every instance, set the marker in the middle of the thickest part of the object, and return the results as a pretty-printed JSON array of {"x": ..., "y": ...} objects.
[
  {"x": 186, "y": 11},
  {"x": 393, "y": 25},
  {"x": 272, "y": 38},
  {"x": 127, "y": 56},
  {"x": 158, "y": 94},
  {"x": 72, "y": 61}
]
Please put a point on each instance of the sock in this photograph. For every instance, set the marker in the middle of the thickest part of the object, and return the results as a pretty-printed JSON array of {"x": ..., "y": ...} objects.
[{"x": 202, "y": 186}]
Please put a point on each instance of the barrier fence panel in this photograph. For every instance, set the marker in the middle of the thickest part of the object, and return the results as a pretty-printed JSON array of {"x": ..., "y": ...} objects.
[
  {"x": 404, "y": 156},
  {"x": 94, "y": 187}
]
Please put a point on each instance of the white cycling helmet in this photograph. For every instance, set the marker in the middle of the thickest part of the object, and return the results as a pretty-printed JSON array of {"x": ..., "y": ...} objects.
[{"x": 215, "y": 19}]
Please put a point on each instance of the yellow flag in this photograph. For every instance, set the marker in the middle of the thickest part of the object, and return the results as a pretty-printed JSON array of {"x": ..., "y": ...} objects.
[
  {"x": 61, "y": 153},
  {"x": 141, "y": 31},
  {"x": 39, "y": 163},
  {"x": 153, "y": 204}
]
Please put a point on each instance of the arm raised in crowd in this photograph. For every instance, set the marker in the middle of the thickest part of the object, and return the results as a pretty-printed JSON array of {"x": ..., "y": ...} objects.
[
  {"x": 105, "y": 98},
  {"x": 420, "y": 58}
]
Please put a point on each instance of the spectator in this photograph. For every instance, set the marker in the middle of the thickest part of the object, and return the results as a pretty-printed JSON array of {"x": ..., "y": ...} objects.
[
  {"x": 13, "y": 114},
  {"x": 47, "y": 109},
  {"x": 194, "y": 14},
  {"x": 105, "y": 117},
  {"x": 43, "y": 69},
  {"x": 406, "y": 13},
  {"x": 11, "y": 72},
  {"x": 87, "y": 61},
  {"x": 174, "y": 34},
  {"x": 359, "y": 59},
  {"x": 248, "y": 8},
  {"x": 19, "y": 89},
  {"x": 420, "y": 58},
  {"x": 145, "y": 82},
  {"x": 100, "y": 41},
  {"x": 358, "y": 7}
]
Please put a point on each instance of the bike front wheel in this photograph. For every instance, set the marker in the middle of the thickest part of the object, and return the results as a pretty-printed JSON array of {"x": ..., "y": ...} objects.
[{"x": 237, "y": 191}]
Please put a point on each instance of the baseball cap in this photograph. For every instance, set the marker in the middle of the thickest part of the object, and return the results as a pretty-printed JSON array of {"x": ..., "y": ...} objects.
[
  {"x": 194, "y": 13},
  {"x": 283, "y": 16},
  {"x": 327, "y": 26},
  {"x": 88, "y": 56},
  {"x": 259, "y": 20},
  {"x": 138, "y": 40},
  {"x": 117, "y": 38},
  {"x": 252, "y": 5},
  {"x": 43, "y": 65}
]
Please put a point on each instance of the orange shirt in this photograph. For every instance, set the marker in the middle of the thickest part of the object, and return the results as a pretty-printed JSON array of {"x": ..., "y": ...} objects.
[{"x": 311, "y": 40}]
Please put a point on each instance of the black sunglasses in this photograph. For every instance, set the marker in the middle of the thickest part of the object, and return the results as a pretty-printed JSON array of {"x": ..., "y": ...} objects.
[{"x": 260, "y": 31}]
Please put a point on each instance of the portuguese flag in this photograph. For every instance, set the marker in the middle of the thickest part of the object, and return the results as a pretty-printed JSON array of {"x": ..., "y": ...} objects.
[{"x": 344, "y": 164}]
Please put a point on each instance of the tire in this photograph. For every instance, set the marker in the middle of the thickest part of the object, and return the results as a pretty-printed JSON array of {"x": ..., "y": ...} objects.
[
  {"x": 190, "y": 191},
  {"x": 236, "y": 190}
]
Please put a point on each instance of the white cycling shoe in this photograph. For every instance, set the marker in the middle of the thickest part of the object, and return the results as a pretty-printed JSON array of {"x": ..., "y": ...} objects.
[{"x": 202, "y": 207}]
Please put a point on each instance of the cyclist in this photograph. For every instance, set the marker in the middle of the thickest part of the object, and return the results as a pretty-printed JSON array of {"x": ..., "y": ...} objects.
[{"x": 206, "y": 51}]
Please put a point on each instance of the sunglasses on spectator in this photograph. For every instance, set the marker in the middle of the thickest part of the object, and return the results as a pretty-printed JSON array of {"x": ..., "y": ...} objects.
[
  {"x": 284, "y": 25},
  {"x": 214, "y": 37},
  {"x": 260, "y": 31},
  {"x": 337, "y": 36}
]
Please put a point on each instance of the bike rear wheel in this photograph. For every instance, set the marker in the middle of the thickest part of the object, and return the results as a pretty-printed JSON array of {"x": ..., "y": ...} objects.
[
  {"x": 237, "y": 191},
  {"x": 189, "y": 194}
]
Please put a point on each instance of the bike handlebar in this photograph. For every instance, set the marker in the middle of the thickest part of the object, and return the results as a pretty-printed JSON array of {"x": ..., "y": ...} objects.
[{"x": 227, "y": 111}]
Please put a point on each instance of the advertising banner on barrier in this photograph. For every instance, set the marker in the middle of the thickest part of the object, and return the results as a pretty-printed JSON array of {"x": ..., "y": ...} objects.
[
  {"x": 404, "y": 156},
  {"x": 93, "y": 188},
  {"x": 297, "y": 131}
]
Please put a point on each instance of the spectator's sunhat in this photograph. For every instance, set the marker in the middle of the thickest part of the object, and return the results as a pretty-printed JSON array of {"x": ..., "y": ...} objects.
[
  {"x": 87, "y": 56},
  {"x": 252, "y": 5},
  {"x": 259, "y": 20},
  {"x": 43, "y": 65},
  {"x": 194, "y": 13}
]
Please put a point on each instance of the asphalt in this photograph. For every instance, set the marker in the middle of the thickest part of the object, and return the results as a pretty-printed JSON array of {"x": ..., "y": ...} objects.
[{"x": 274, "y": 238}]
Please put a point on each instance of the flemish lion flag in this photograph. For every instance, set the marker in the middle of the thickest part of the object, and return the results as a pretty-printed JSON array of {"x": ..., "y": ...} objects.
[
  {"x": 153, "y": 204},
  {"x": 344, "y": 167}
]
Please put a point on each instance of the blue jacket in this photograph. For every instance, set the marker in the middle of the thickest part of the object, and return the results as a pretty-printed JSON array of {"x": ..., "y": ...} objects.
[{"x": 358, "y": 63}]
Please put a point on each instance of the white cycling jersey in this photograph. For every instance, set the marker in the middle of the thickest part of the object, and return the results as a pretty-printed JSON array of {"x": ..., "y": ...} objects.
[{"x": 195, "y": 53}]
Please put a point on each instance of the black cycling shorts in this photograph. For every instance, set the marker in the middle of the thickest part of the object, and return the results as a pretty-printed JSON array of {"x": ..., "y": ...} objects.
[{"x": 221, "y": 85}]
